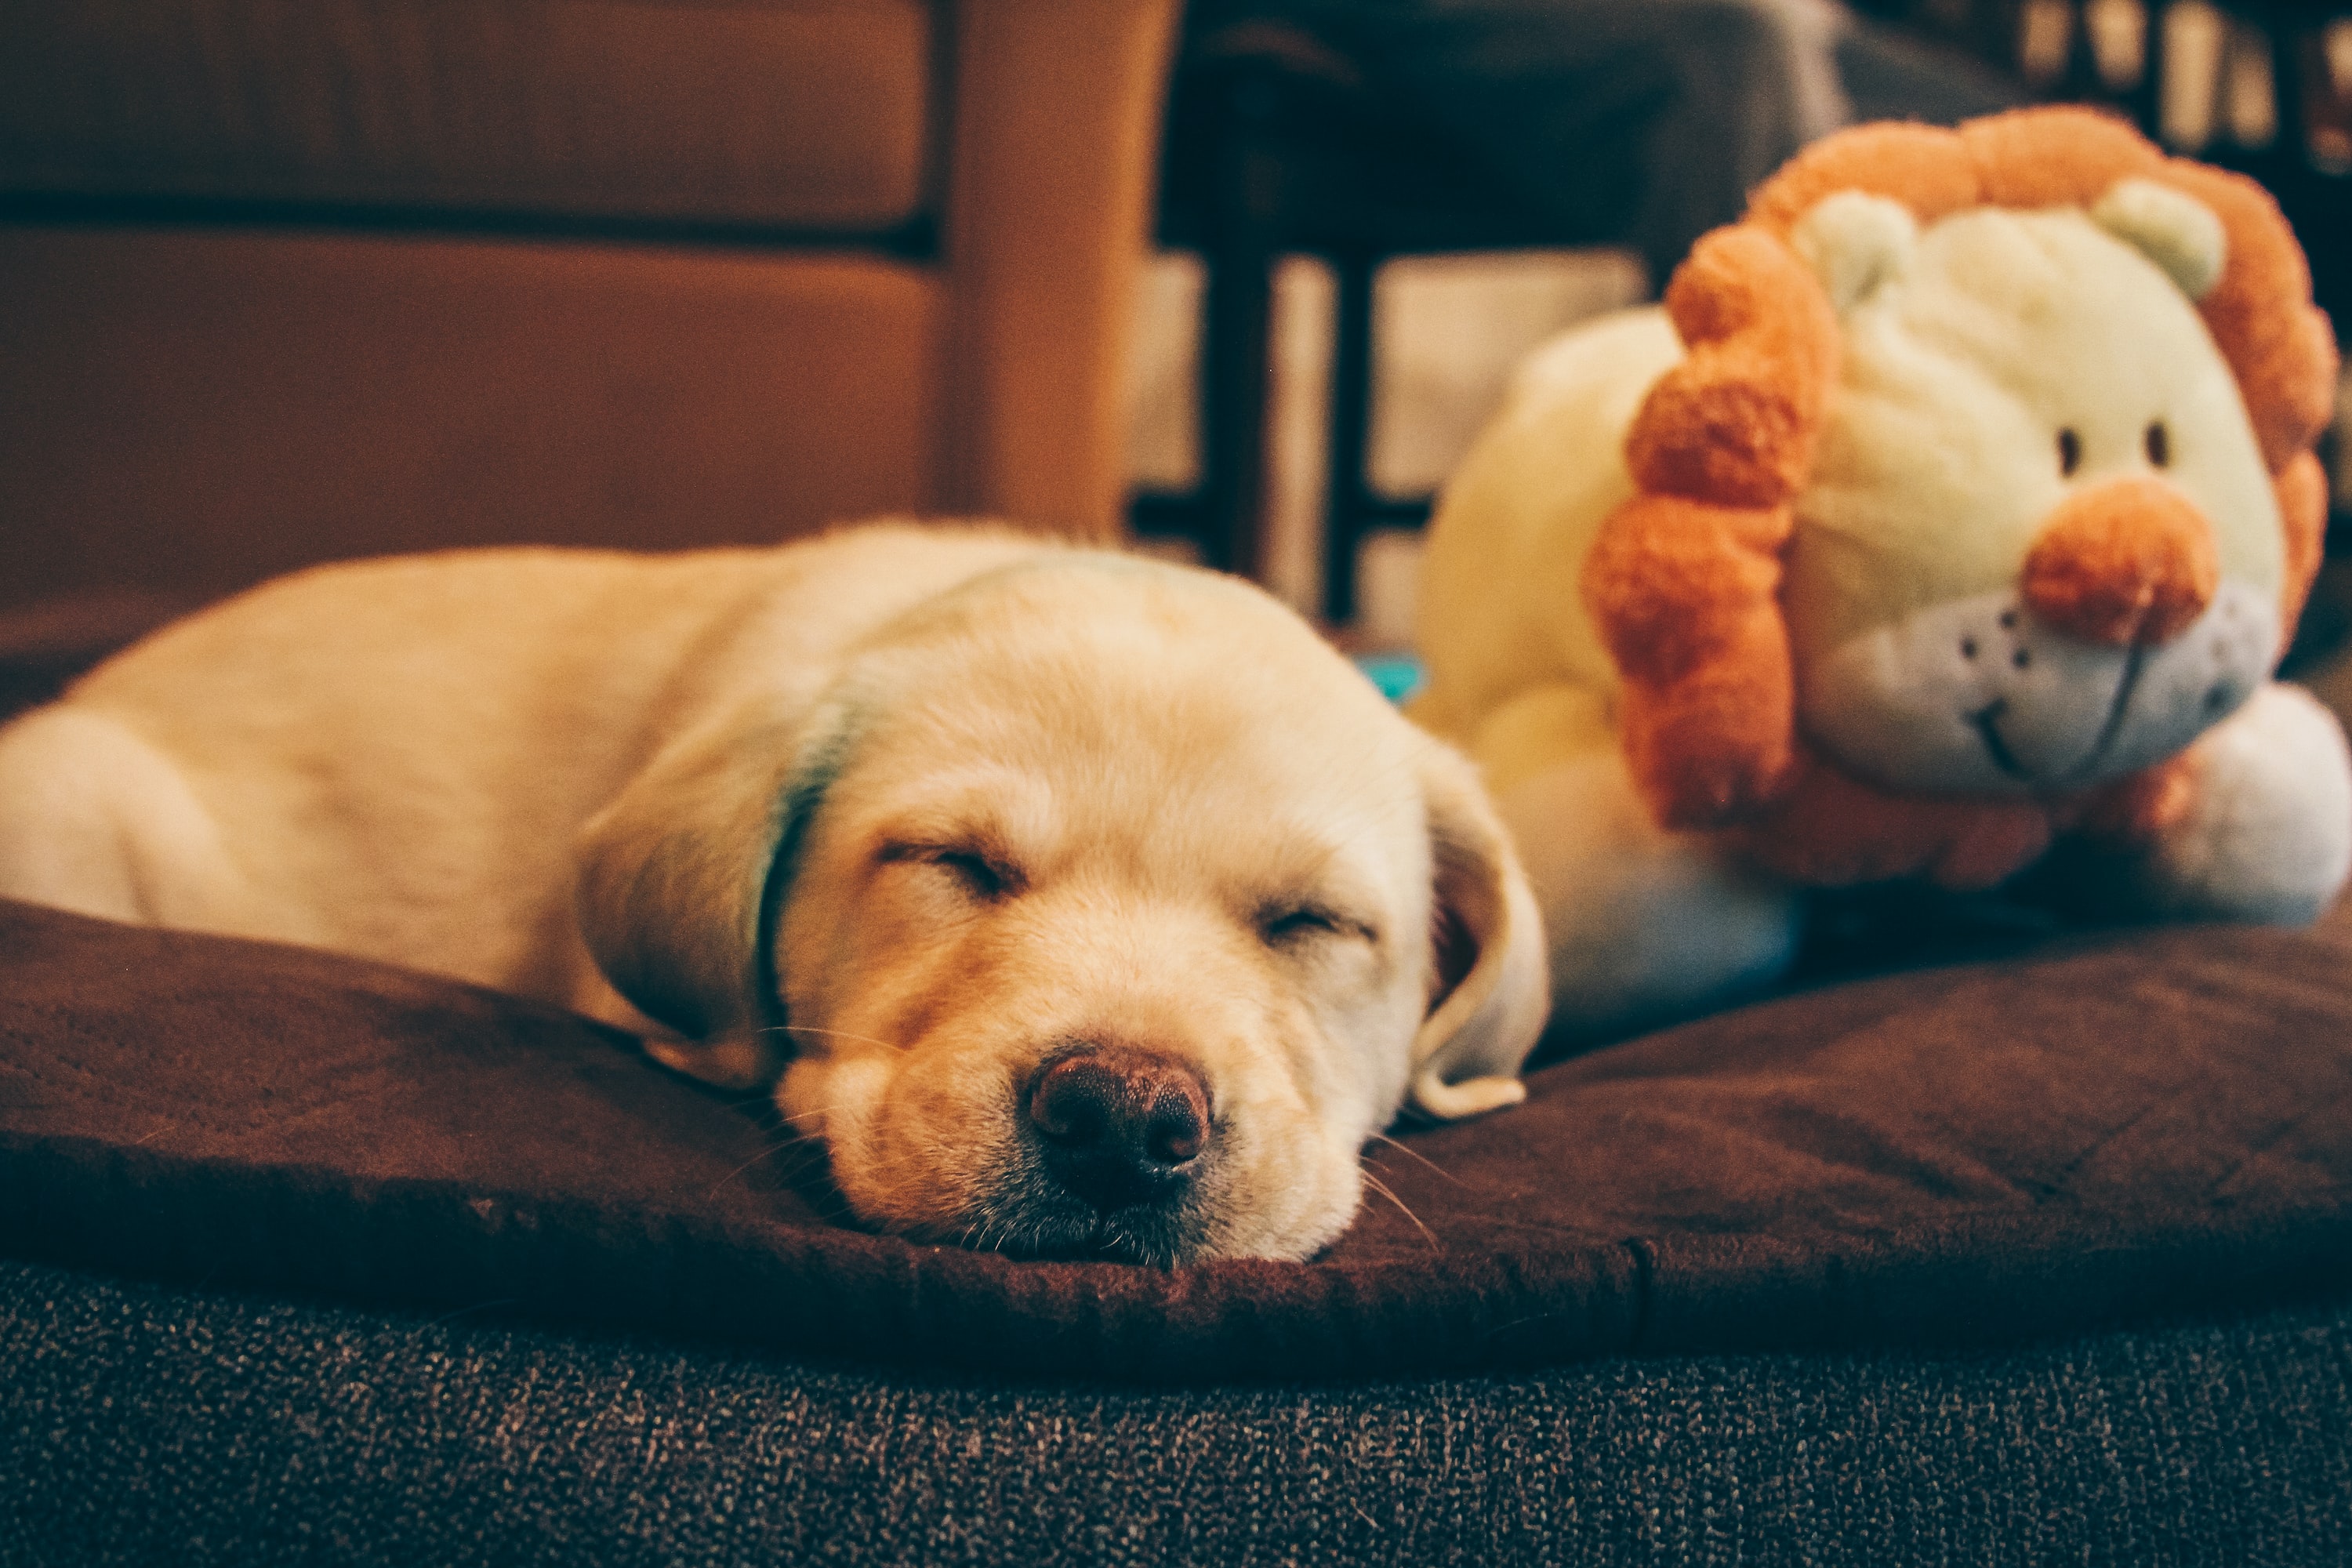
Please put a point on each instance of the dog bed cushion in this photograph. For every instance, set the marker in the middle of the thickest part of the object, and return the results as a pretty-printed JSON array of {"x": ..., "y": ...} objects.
[
  {"x": 2103, "y": 1127},
  {"x": 2100, "y": 1128}
]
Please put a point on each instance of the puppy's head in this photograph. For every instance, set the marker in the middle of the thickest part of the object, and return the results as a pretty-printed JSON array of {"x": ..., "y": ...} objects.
[{"x": 1105, "y": 910}]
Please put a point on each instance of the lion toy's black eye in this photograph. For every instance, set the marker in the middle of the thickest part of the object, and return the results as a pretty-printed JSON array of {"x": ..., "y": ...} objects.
[
  {"x": 2159, "y": 441},
  {"x": 2069, "y": 452}
]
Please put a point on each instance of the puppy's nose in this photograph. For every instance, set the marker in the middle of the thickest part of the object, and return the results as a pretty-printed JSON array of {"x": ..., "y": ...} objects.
[{"x": 1119, "y": 1125}]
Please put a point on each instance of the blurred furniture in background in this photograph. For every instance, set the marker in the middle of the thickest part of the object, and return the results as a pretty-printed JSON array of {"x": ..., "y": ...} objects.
[
  {"x": 1277, "y": 144},
  {"x": 1362, "y": 133},
  {"x": 284, "y": 282}
]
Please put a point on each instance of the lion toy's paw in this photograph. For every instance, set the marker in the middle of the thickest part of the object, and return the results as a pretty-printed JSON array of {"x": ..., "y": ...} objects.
[{"x": 2266, "y": 832}]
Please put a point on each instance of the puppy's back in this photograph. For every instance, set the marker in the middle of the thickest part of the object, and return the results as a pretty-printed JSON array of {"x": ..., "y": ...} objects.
[{"x": 393, "y": 757}]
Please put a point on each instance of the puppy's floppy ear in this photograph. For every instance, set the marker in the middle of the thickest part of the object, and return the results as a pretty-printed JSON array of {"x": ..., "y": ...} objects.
[
  {"x": 681, "y": 875},
  {"x": 1493, "y": 990}
]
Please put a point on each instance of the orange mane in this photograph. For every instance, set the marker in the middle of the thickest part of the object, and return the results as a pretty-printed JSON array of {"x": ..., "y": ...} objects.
[{"x": 1684, "y": 581}]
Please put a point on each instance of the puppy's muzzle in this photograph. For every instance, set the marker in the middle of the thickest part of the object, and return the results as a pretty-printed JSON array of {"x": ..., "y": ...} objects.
[{"x": 1117, "y": 1126}]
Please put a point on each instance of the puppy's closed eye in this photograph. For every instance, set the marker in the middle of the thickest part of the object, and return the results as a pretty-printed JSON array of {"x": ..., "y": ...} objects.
[
  {"x": 983, "y": 875},
  {"x": 1294, "y": 924}
]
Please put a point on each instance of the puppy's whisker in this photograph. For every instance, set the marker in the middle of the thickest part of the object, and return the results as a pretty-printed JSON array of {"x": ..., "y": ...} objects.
[
  {"x": 786, "y": 1141},
  {"x": 1382, "y": 1187},
  {"x": 797, "y": 1140},
  {"x": 834, "y": 1034},
  {"x": 815, "y": 1113},
  {"x": 1411, "y": 1153},
  {"x": 762, "y": 1154}
]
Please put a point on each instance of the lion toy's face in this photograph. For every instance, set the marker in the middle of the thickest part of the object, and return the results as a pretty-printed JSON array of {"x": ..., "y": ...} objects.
[{"x": 2040, "y": 548}]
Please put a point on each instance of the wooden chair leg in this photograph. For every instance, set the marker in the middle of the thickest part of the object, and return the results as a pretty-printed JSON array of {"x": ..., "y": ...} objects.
[
  {"x": 1237, "y": 368},
  {"x": 1233, "y": 376},
  {"x": 1347, "y": 494}
]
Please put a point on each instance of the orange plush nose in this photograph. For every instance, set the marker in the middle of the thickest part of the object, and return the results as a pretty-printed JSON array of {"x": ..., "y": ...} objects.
[{"x": 2126, "y": 560}]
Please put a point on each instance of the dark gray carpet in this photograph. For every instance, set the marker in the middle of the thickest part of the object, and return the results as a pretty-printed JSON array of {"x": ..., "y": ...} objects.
[{"x": 143, "y": 1423}]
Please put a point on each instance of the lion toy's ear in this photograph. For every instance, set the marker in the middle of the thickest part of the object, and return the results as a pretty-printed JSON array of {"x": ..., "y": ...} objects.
[
  {"x": 1856, "y": 244},
  {"x": 2175, "y": 230}
]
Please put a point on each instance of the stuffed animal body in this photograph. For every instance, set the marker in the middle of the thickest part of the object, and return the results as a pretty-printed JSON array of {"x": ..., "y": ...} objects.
[{"x": 1959, "y": 500}]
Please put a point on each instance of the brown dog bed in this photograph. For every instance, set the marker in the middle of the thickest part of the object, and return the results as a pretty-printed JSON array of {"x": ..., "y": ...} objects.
[{"x": 2109, "y": 1127}]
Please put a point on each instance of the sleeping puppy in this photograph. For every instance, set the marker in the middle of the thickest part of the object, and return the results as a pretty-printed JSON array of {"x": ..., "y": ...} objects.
[{"x": 1081, "y": 905}]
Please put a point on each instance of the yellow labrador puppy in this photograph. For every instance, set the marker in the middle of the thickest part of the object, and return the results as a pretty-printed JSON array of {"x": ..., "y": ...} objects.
[{"x": 1083, "y": 906}]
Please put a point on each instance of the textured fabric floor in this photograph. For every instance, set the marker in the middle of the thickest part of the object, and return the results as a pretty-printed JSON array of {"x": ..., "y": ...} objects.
[{"x": 141, "y": 1423}]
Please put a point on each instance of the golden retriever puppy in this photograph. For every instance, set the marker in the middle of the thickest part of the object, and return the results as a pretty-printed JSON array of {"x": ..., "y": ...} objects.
[{"x": 1081, "y": 905}]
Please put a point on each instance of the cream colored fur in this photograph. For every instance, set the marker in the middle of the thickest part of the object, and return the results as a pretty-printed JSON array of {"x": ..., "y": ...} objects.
[{"x": 581, "y": 777}]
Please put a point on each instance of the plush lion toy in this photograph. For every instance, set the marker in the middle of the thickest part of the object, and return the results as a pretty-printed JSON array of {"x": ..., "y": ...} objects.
[{"x": 1957, "y": 500}]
